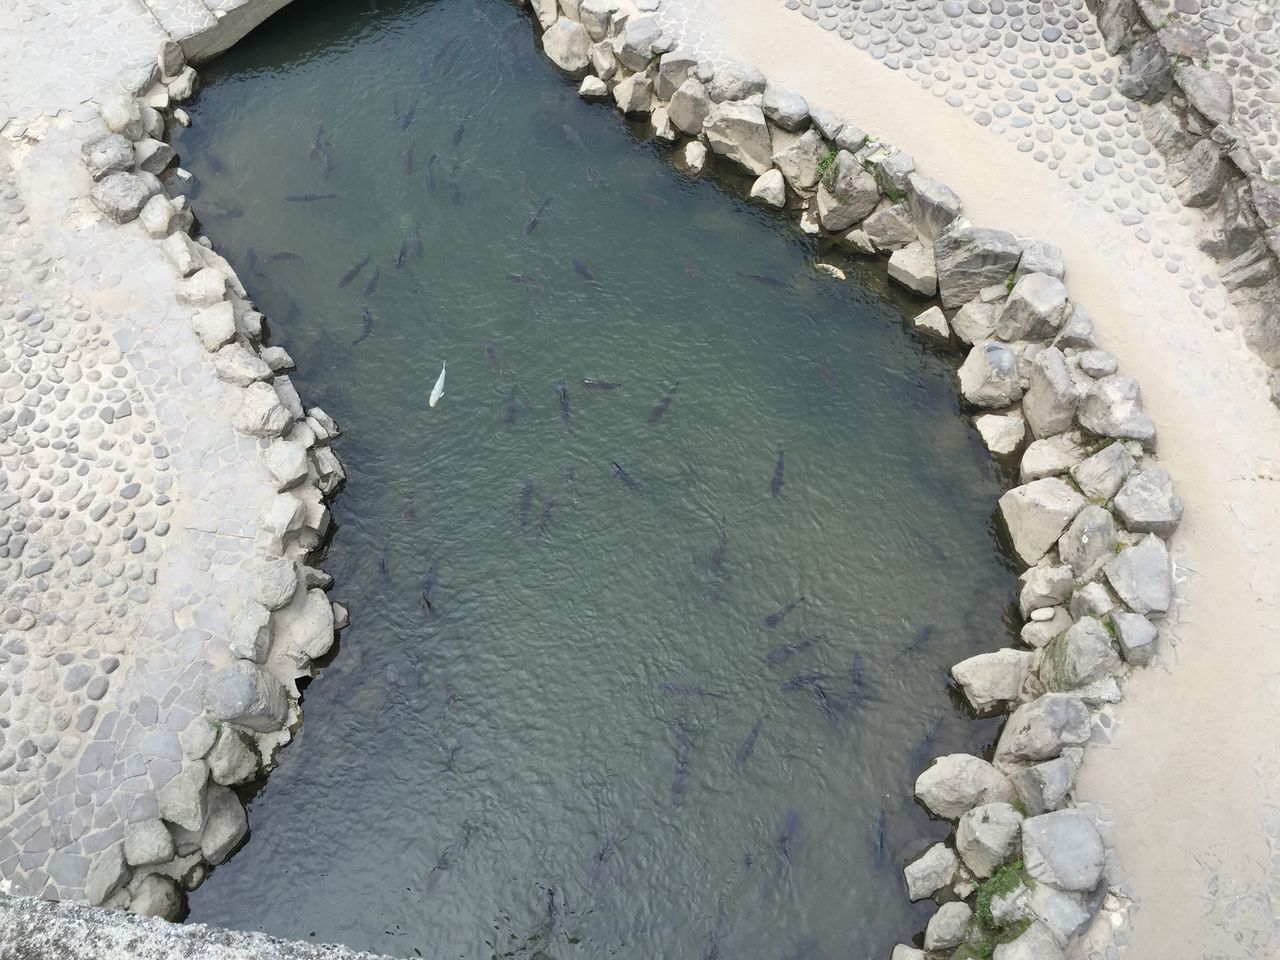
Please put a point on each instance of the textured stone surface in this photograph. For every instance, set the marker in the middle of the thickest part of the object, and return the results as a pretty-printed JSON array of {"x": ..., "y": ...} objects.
[
  {"x": 1063, "y": 849},
  {"x": 1037, "y": 513},
  {"x": 930, "y": 872},
  {"x": 1039, "y": 730},
  {"x": 957, "y": 782}
]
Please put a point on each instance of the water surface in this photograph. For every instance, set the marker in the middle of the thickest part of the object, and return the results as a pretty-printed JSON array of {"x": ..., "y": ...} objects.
[{"x": 512, "y": 767}]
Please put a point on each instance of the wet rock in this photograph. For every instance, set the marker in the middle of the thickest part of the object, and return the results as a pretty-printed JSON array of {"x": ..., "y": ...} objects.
[
  {"x": 993, "y": 678},
  {"x": 972, "y": 258},
  {"x": 1034, "y": 943},
  {"x": 568, "y": 45},
  {"x": 1034, "y": 309},
  {"x": 1113, "y": 408},
  {"x": 1052, "y": 395},
  {"x": 106, "y": 875},
  {"x": 1141, "y": 576},
  {"x": 934, "y": 206},
  {"x": 1037, "y": 513},
  {"x": 1002, "y": 433},
  {"x": 634, "y": 95},
  {"x": 1042, "y": 258},
  {"x": 107, "y": 154},
  {"x": 1136, "y": 636},
  {"x": 770, "y": 188},
  {"x": 738, "y": 132},
  {"x": 788, "y": 110},
  {"x": 1043, "y": 787},
  {"x": 1100, "y": 476},
  {"x": 1198, "y": 180},
  {"x": 226, "y": 826},
  {"x": 1207, "y": 91},
  {"x": 932, "y": 323},
  {"x": 204, "y": 288},
  {"x": 849, "y": 194},
  {"x": 891, "y": 228},
  {"x": 121, "y": 113},
  {"x": 248, "y": 696},
  {"x": 989, "y": 375},
  {"x": 1063, "y": 849},
  {"x": 931, "y": 872},
  {"x": 912, "y": 266},
  {"x": 1041, "y": 729},
  {"x": 690, "y": 106},
  {"x": 1147, "y": 504},
  {"x": 986, "y": 836},
  {"x": 1078, "y": 657},
  {"x": 182, "y": 801},
  {"x": 673, "y": 70},
  {"x": 147, "y": 843},
  {"x": 798, "y": 161},
  {"x": 121, "y": 196},
  {"x": 733, "y": 81},
  {"x": 958, "y": 782},
  {"x": 947, "y": 927},
  {"x": 975, "y": 321},
  {"x": 1051, "y": 457},
  {"x": 593, "y": 88},
  {"x": 157, "y": 896},
  {"x": 261, "y": 413}
]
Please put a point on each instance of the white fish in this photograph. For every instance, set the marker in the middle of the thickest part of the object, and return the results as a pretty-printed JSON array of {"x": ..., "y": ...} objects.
[{"x": 438, "y": 390}]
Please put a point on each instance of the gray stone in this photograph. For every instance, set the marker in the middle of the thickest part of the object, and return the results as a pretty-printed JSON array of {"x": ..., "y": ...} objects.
[
  {"x": 948, "y": 926},
  {"x": 567, "y": 44},
  {"x": 179, "y": 249},
  {"x": 1052, "y": 395},
  {"x": 1035, "y": 309},
  {"x": 603, "y": 60},
  {"x": 975, "y": 321},
  {"x": 733, "y": 81},
  {"x": 971, "y": 258},
  {"x": 1092, "y": 600},
  {"x": 225, "y": 827},
  {"x": 121, "y": 196},
  {"x": 153, "y": 156},
  {"x": 147, "y": 843},
  {"x": 1088, "y": 543},
  {"x": 738, "y": 132},
  {"x": 1136, "y": 636},
  {"x": 674, "y": 69},
  {"x": 1077, "y": 332},
  {"x": 107, "y": 154},
  {"x": 1207, "y": 91},
  {"x": 157, "y": 217},
  {"x": 593, "y": 88},
  {"x": 1043, "y": 787},
  {"x": 1047, "y": 584},
  {"x": 1043, "y": 258},
  {"x": 182, "y": 87},
  {"x": 788, "y": 110},
  {"x": 106, "y": 875},
  {"x": 828, "y": 124},
  {"x": 1034, "y": 943},
  {"x": 1113, "y": 408},
  {"x": 891, "y": 228},
  {"x": 1163, "y": 129},
  {"x": 989, "y": 375},
  {"x": 1043, "y": 728},
  {"x": 595, "y": 16},
  {"x": 689, "y": 107},
  {"x": 1141, "y": 576},
  {"x": 1148, "y": 75},
  {"x": 1100, "y": 476},
  {"x": 233, "y": 364},
  {"x": 634, "y": 95},
  {"x": 1201, "y": 176},
  {"x": 798, "y": 160},
  {"x": 986, "y": 836},
  {"x": 1065, "y": 914},
  {"x": 958, "y": 782},
  {"x": 932, "y": 323},
  {"x": 157, "y": 896},
  {"x": 1002, "y": 433},
  {"x": 913, "y": 267},
  {"x": 182, "y": 801},
  {"x": 249, "y": 635},
  {"x": 231, "y": 760},
  {"x": 992, "y": 678},
  {"x": 261, "y": 413},
  {"x": 247, "y": 695},
  {"x": 121, "y": 113},
  {"x": 1147, "y": 504},
  {"x": 894, "y": 169},
  {"x": 304, "y": 631},
  {"x": 170, "y": 58},
  {"x": 1080, "y": 656},
  {"x": 287, "y": 463},
  {"x": 1063, "y": 849},
  {"x": 204, "y": 288},
  {"x": 1098, "y": 363},
  {"x": 903, "y": 952},
  {"x": 1037, "y": 513},
  {"x": 1038, "y": 633},
  {"x": 930, "y": 872},
  {"x": 847, "y": 195},
  {"x": 215, "y": 325},
  {"x": 934, "y": 206},
  {"x": 770, "y": 188},
  {"x": 1051, "y": 457},
  {"x": 634, "y": 45}
]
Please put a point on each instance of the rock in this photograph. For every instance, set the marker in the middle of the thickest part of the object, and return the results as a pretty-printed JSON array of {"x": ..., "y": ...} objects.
[
  {"x": 1088, "y": 543},
  {"x": 930, "y": 872},
  {"x": 276, "y": 579},
  {"x": 673, "y": 70},
  {"x": 851, "y": 138},
  {"x": 828, "y": 124},
  {"x": 912, "y": 266},
  {"x": 121, "y": 113},
  {"x": 593, "y": 88},
  {"x": 890, "y": 228},
  {"x": 933, "y": 323},
  {"x": 287, "y": 463},
  {"x": 948, "y": 926},
  {"x": 236, "y": 365},
  {"x": 107, "y": 154},
  {"x": 153, "y": 156},
  {"x": 798, "y": 161},
  {"x": 770, "y": 188},
  {"x": 215, "y": 325},
  {"x": 1098, "y": 363},
  {"x": 1002, "y": 433},
  {"x": 568, "y": 45},
  {"x": 1052, "y": 395},
  {"x": 738, "y": 132},
  {"x": 934, "y": 206},
  {"x": 183, "y": 86},
  {"x": 1077, "y": 331},
  {"x": 1080, "y": 656},
  {"x": 1043, "y": 258},
  {"x": 903, "y": 952},
  {"x": 226, "y": 827},
  {"x": 1034, "y": 310},
  {"x": 1065, "y": 914},
  {"x": 182, "y": 253},
  {"x": 147, "y": 843},
  {"x": 304, "y": 632},
  {"x": 690, "y": 106},
  {"x": 1199, "y": 179},
  {"x": 972, "y": 258},
  {"x": 1147, "y": 504},
  {"x": 204, "y": 288},
  {"x": 1147, "y": 73},
  {"x": 894, "y": 169},
  {"x": 958, "y": 782},
  {"x": 157, "y": 217},
  {"x": 1092, "y": 600},
  {"x": 157, "y": 896},
  {"x": 861, "y": 243},
  {"x": 1141, "y": 577},
  {"x": 1045, "y": 786},
  {"x": 1101, "y": 475},
  {"x": 246, "y": 695},
  {"x": 975, "y": 321},
  {"x": 1136, "y": 636},
  {"x": 121, "y": 196},
  {"x": 603, "y": 60},
  {"x": 734, "y": 81},
  {"x": 1113, "y": 408},
  {"x": 277, "y": 358},
  {"x": 986, "y": 836},
  {"x": 1207, "y": 91},
  {"x": 1046, "y": 584},
  {"x": 1063, "y": 849},
  {"x": 1037, "y": 513},
  {"x": 989, "y": 375},
  {"x": 231, "y": 761},
  {"x": 634, "y": 95},
  {"x": 788, "y": 110},
  {"x": 1041, "y": 729},
  {"x": 106, "y": 875},
  {"x": 848, "y": 194},
  {"x": 261, "y": 413},
  {"x": 1051, "y": 457},
  {"x": 593, "y": 14},
  {"x": 250, "y": 632},
  {"x": 992, "y": 678},
  {"x": 1039, "y": 633},
  {"x": 182, "y": 801},
  {"x": 1034, "y": 943},
  {"x": 634, "y": 44},
  {"x": 694, "y": 156}
]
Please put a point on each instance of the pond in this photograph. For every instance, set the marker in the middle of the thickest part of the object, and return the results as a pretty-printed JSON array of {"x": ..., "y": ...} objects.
[{"x": 640, "y": 667}]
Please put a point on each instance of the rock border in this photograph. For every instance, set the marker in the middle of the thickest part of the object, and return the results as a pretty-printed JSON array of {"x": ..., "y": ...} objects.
[
  {"x": 285, "y": 622},
  {"x": 1023, "y": 877}
]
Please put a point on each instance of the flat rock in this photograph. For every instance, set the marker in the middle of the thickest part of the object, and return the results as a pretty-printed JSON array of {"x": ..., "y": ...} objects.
[
  {"x": 1041, "y": 729},
  {"x": 1147, "y": 504},
  {"x": 1047, "y": 584},
  {"x": 738, "y": 132},
  {"x": 1142, "y": 578},
  {"x": 1208, "y": 91},
  {"x": 1038, "y": 633},
  {"x": 958, "y": 782},
  {"x": 1080, "y": 656},
  {"x": 1037, "y": 513},
  {"x": 770, "y": 188},
  {"x": 1051, "y": 457},
  {"x": 912, "y": 266},
  {"x": 203, "y": 288},
  {"x": 930, "y": 872},
  {"x": 734, "y": 81},
  {"x": 1063, "y": 849},
  {"x": 934, "y": 206},
  {"x": 674, "y": 68},
  {"x": 215, "y": 325},
  {"x": 989, "y": 679},
  {"x": 986, "y": 836},
  {"x": 971, "y": 258},
  {"x": 1065, "y": 914}
]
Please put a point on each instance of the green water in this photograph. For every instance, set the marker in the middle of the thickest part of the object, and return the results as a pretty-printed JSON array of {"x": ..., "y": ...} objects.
[{"x": 576, "y": 779}]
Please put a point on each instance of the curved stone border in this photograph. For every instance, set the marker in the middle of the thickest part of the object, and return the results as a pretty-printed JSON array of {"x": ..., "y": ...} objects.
[{"x": 1024, "y": 873}]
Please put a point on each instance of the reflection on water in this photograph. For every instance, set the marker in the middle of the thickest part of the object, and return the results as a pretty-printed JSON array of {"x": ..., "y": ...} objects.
[{"x": 651, "y": 614}]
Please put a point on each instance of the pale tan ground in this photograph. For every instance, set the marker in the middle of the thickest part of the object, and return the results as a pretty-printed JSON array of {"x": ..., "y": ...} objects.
[{"x": 1194, "y": 764}]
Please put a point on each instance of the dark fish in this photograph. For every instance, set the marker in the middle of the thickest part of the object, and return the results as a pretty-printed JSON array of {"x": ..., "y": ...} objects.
[
  {"x": 684, "y": 743},
  {"x": 857, "y": 678},
  {"x": 934, "y": 547},
  {"x": 713, "y": 945},
  {"x": 400, "y": 255},
  {"x": 366, "y": 325},
  {"x": 548, "y": 501},
  {"x": 450, "y": 694},
  {"x": 784, "y": 846},
  {"x": 326, "y": 163},
  {"x": 371, "y": 287},
  {"x": 574, "y": 137},
  {"x": 445, "y": 49},
  {"x": 830, "y": 708},
  {"x": 657, "y": 412},
  {"x": 284, "y": 255},
  {"x": 691, "y": 270},
  {"x": 918, "y": 640},
  {"x": 408, "y": 160},
  {"x": 775, "y": 485},
  {"x": 215, "y": 165},
  {"x": 599, "y": 873},
  {"x": 532, "y": 222},
  {"x": 509, "y": 410},
  {"x": 591, "y": 383},
  {"x": 828, "y": 377},
  {"x": 523, "y": 279},
  {"x": 563, "y": 393},
  {"x": 252, "y": 257},
  {"x": 582, "y": 270},
  {"x": 569, "y": 477},
  {"x": 596, "y": 180},
  {"x": 384, "y": 561},
  {"x": 924, "y": 749},
  {"x": 805, "y": 681},
  {"x": 424, "y": 71},
  {"x": 749, "y": 745},
  {"x": 780, "y": 655},
  {"x": 458, "y": 132},
  {"x": 722, "y": 545},
  {"x": 317, "y": 145},
  {"x": 410, "y": 514},
  {"x": 491, "y": 352},
  {"x": 677, "y": 689},
  {"x": 775, "y": 618},
  {"x": 617, "y": 471},
  {"x": 442, "y": 864},
  {"x": 425, "y": 604},
  {"x": 353, "y": 273},
  {"x": 407, "y": 119},
  {"x": 430, "y": 177},
  {"x": 764, "y": 279},
  {"x": 880, "y": 841},
  {"x": 526, "y": 499},
  {"x": 455, "y": 194},
  {"x": 308, "y": 197}
]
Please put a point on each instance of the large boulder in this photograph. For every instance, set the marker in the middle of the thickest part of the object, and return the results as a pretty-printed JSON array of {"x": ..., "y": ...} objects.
[
  {"x": 1088, "y": 543},
  {"x": 634, "y": 95},
  {"x": 634, "y": 45},
  {"x": 674, "y": 68},
  {"x": 986, "y": 836},
  {"x": 231, "y": 760},
  {"x": 1051, "y": 457},
  {"x": 203, "y": 288},
  {"x": 121, "y": 196},
  {"x": 1206, "y": 90},
  {"x": 1147, "y": 504},
  {"x": 225, "y": 827},
  {"x": 107, "y": 154},
  {"x": 157, "y": 896},
  {"x": 947, "y": 927},
  {"x": 788, "y": 110},
  {"x": 568, "y": 45},
  {"x": 893, "y": 168},
  {"x": 147, "y": 843},
  {"x": 733, "y": 81},
  {"x": 934, "y": 206},
  {"x": 1113, "y": 408},
  {"x": 972, "y": 258},
  {"x": 689, "y": 107},
  {"x": 1037, "y": 513},
  {"x": 1065, "y": 914},
  {"x": 931, "y": 872},
  {"x": 913, "y": 267},
  {"x": 1078, "y": 657},
  {"x": 770, "y": 188},
  {"x": 989, "y": 375},
  {"x": 247, "y": 695},
  {"x": 958, "y": 782},
  {"x": 106, "y": 875},
  {"x": 1136, "y": 636},
  {"x": 1141, "y": 576},
  {"x": 304, "y": 631},
  {"x": 1063, "y": 849},
  {"x": 1045, "y": 786},
  {"x": 1036, "y": 942},
  {"x": 1198, "y": 180},
  {"x": 891, "y": 229},
  {"x": 799, "y": 159},
  {"x": 1052, "y": 395},
  {"x": 1035, "y": 309},
  {"x": 261, "y": 413},
  {"x": 595, "y": 16},
  {"x": 1100, "y": 476},
  {"x": 182, "y": 801},
  {"x": 975, "y": 321},
  {"x": 1041, "y": 729},
  {"x": 848, "y": 194},
  {"x": 1047, "y": 584},
  {"x": 121, "y": 113},
  {"x": 738, "y": 131},
  {"x": 1003, "y": 433},
  {"x": 992, "y": 678},
  {"x": 1041, "y": 257}
]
